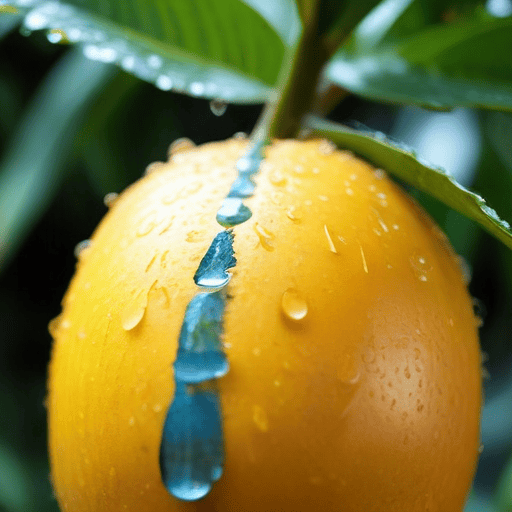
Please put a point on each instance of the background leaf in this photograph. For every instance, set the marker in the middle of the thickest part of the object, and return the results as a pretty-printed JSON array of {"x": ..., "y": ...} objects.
[
  {"x": 222, "y": 49},
  {"x": 442, "y": 66},
  {"x": 30, "y": 171},
  {"x": 403, "y": 164}
]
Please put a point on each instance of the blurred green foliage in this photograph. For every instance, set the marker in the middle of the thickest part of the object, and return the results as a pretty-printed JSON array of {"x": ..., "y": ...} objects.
[{"x": 72, "y": 131}]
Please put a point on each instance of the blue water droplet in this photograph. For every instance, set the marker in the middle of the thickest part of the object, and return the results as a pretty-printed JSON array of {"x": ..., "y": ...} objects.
[
  {"x": 212, "y": 271},
  {"x": 233, "y": 212},
  {"x": 192, "y": 448},
  {"x": 250, "y": 162},
  {"x": 242, "y": 187},
  {"x": 200, "y": 356}
]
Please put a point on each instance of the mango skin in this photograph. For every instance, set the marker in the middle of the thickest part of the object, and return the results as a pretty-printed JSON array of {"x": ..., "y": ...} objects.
[{"x": 366, "y": 399}]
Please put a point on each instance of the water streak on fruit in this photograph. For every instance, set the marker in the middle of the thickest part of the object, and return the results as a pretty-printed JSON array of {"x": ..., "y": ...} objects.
[
  {"x": 266, "y": 237},
  {"x": 192, "y": 449},
  {"x": 233, "y": 212},
  {"x": 192, "y": 445},
  {"x": 212, "y": 271},
  {"x": 293, "y": 305},
  {"x": 200, "y": 356},
  {"x": 332, "y": 247}
]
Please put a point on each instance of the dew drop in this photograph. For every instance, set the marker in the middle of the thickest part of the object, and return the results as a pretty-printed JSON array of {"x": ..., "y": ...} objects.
[
  {"x": 218, "y": 107},
  {"x": 81, "y": 248},
  {"x": 327, "y": 147},
  {"x": 200, "y": 356},
  {"x": 179, "y": 145},
  {"x": 242, "y": 187},
  {"x": 259, "y": 416},
  {"x": 266, "y": 237},
  {"x": 332, "y": 247},
  {"x": 152, "y": 167},
  {"x": 110, "y": 199},
  {"x": 294, "y": 214},
  {"x": 277, "y": 178},
  {"x": 294, "y": 306},
  {"x": 240, "y": 136},
  {"x": 213, "y": 269},
  {"x": 192, "y": 448},
  {"x": 134, "y": 312},
  {"x": 233, "y": 212},
  {"x": 164, "y": 83},
  {"x": 57, "y": 36}
]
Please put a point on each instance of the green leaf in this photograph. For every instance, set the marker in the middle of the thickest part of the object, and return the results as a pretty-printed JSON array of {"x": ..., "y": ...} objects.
[
  {"x": 219, "y": 49},
  {"x": 504, "y": 491},
  {"x": 8, "y": 21},
  {"x": 455, "y": 64},
  {"x": 32, "y": 167},
  {"x": 403, "y": 164}
]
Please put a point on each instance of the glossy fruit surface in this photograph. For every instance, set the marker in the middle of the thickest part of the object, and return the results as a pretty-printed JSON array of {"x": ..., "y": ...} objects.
[{"x": 355, "y": 370}]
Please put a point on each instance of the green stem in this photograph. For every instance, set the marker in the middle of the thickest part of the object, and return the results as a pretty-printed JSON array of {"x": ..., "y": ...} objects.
[{"x": 282, "y": 118}]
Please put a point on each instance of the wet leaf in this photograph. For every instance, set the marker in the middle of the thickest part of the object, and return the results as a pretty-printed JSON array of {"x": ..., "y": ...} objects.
[
  {"x": 403, "y": 164},
  {"x": 32, "y": 165},
  {"x": 222, "y": 49},
  {"x": 442, "y": 66}
]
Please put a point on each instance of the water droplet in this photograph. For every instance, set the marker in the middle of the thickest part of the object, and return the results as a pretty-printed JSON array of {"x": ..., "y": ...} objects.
[
  {"x": 407, "y": 372},
  {"x": 326, "y": 147},
  {"x": 218, "y": 107},
  {"x": 233, "y": 212},
  {"x": 134, "y": 312},
  {"x": 155, "y": 61},
  {"x": 152, "y": 167},
  {"x": 379, "y": 174},
  {"x": 35, "y": 20},
  {"x": 242, "y": 187},
  {"x": 131, "y": 421},
  {"x": 259, "y": 416},
  {"x": 212, "y": 271},
  {"x": 57, "y": 36},
  {"x": 294, "y": 306},
  {"x": 240, "y": 136},
  {"x": 266, "y": 237},
  {"x": 196, "y": 88},
  {"x": 277, "y": 178},
  {"x": 465, "y": 269},
  {"x": 479, "y": 311},
  {"x": 147, "y": 224},
  {"x": 323, "y": 198},
  {"x": 250, "y": 162},
  {"x": 110, "y": 199},
  {"x": 192, "y": 447},
  {"x": 294, "y": 214},
  {"x": 164, "y": 83},
  {"x": 363, "y": 257},
  {"x": 332, "y": 247},
  {"x": 81, "y": 248},
  {"x": 179, "y": 145},
  {"x": 200, "y": 356}
]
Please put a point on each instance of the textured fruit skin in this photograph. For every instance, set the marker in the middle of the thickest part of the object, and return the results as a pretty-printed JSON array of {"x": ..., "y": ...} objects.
[{"x": 371, "y": 402}]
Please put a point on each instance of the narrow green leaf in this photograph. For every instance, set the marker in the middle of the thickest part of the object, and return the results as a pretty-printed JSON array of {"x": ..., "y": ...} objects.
[
  {"x": 448, "y": 65},
  {"x": 403, "y": 164},
  {"x": 31, "y": 168},
  {"x": 221, "y": 49}
]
